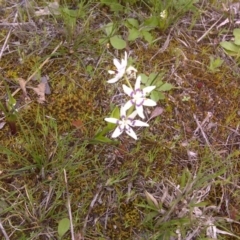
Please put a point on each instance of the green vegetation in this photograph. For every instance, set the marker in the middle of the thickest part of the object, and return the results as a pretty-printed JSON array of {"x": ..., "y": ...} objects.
[{"x": 62, "y": 176}]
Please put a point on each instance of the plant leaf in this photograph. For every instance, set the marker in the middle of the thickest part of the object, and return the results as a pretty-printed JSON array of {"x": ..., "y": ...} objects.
[
  {"x": 22, "y": 84},
  {"x": 63, "y": 226},
  {"x": 229, "y": 46},
  {"x": 156, "y": 112},
  {"x": 166, "y": 87},
  {"x": 147, "y": 36},
  {"x": 108, "y": 28},
  {"x": 144, "y": 78},
  {"x": 102, "y": 139},
  {"x": 152, "y": 21},
  {"x": 44, "y": 80},
  {"x": 117, "y": 42},
  {"x": 132, "y": 22},
  {"x": 150, "y": 216},
  {"x": 156, "y": 96},
  {"x": 151, "y": 200},
  {"x": 133, "y": 34},
  {"x": 236, "y": 33}
]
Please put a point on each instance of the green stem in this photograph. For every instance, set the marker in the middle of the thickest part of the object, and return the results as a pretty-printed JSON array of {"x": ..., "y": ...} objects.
[{"x": 128, "y": 83}]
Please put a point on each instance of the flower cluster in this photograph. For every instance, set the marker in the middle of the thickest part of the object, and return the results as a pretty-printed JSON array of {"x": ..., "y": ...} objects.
[{"x": 137, "y": 99}]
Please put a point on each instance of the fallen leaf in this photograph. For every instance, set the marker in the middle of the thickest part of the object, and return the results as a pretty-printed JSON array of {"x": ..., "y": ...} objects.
[
  {"x": 40, "y": 90},
  {"x": 151, "y": 199},
  {"x": 156, "y": 112},
  {"x": 78, "y": 236},
  {"x": 79, "y": 125},
  {"x": 45, "y": 79},
  {"x": 22, "y": 84}
]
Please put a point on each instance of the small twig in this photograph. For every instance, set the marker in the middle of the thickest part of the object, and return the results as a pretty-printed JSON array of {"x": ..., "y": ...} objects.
[
  {"x": 206, "y": 33},
  {"x": 15, "y": 24},
  {"x": 228, "y": 181},
  {"x": 4, "y": 232},
  {"x": 206, "y": 119},
  {"x": 98, "y": 62},
  {"x": 90, "y": 207},
  {"x": 8, "y": 36},
  {"x": 69, "y": 206},
  {"x": 39, "y": 68},
  {"x": 164, "y": 47},
  {"x": 203, "y": 133}
]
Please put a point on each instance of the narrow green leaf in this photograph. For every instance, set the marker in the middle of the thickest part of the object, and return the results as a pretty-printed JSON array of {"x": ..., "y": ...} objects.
[
  {"x": 102, "y": 139},
  {"x": 103, "y": 40},
  {"x": 63, "y": 226},
  {"x": 200, "y": 204},
  {"x": 150, "y": 216},
  {"x": 151, "y": 79},
  {"x": 3, "y": 109},
  {"x": 183, "y": 179}
]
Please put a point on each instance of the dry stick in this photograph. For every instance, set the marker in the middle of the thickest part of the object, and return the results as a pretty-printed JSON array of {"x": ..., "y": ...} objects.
[
  {"x": 206, "y": 119},
  {"x": 39, "y": 68},
  {"x": 4, "y": 232},
  {"x": 69, "y": 205},
  {"x": 206, "y": 33},
  {"x": 164, "y": 47},
  {"x": 203, "y": 133},
  {"x": 90, "y": 207},
  {"x": 9, "y": 33}
]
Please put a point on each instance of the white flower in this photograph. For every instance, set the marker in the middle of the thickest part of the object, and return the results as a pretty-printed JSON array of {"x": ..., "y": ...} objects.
[
  {"x": 121, "y": 69},
  {"x": 131, "y": 72},
  {"x": 138, "y": 97},
  {"x": 163, "y": 14},
  {"x": 125, "y": 123}
]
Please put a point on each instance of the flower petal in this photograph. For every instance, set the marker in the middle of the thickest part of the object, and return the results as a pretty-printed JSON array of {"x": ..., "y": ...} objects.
[
  {"x": 140, "y": 111},
  {"x": 138, "y": 83},
  {"x": 122, "y": 112},
  {"x": 125, "y": 55},
  {"x": 149, "y": 102},
  {"x": 131, "y": 133},
  {"x": 124, "y": 61},
  {"x": 111, "y": 120},
  {"x": 111, "y": 72},
  {"x": 117, "y": 132},
  {"x": 148, "y": 89},
  {"x": 113, "y": 80},
  {"x": 131, "y": 69},
  {"x": 138, "y": 123},
  {"x": 117, "y": 63},
  {"x": 128, "y": 104},
  {"x": 127, "y": 90}
]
